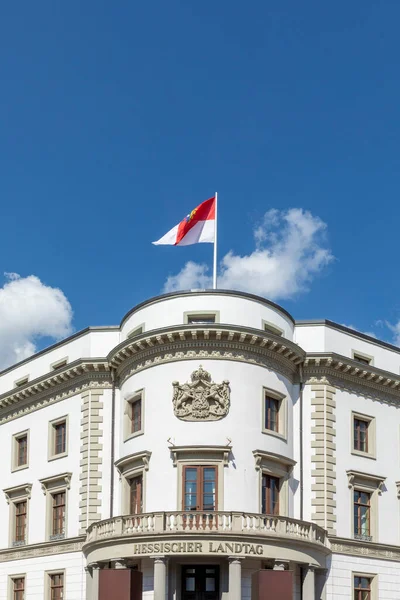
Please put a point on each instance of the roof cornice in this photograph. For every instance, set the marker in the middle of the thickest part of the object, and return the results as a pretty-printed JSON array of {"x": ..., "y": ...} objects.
[
  {"x": 217, "y": 292},
  {"x": 214, "y": 341},
  {"x": 54, "y": 386},
  {"x": 347, "y": 370}
]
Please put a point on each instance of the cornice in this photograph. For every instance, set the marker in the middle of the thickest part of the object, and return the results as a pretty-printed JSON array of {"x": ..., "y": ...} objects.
[
  {"x": 54, "y": 386},
  {"x": 368, "y": 549},
  {"x": 214, "y": 341},
  {"x": 218, "y": 292},
  {"x": 44, "y": 549},
  {"x": 346, "y": 373}
]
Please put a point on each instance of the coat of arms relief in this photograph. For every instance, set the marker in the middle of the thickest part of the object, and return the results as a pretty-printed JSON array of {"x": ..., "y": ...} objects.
[{"x": 201, "y": 399}]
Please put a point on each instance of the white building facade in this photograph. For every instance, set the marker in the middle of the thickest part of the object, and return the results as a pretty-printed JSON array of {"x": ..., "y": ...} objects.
[{"x": 208, "y": 448}]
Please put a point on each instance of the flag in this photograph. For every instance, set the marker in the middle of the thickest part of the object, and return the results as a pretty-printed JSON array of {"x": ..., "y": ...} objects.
[{"x": 197, "y": 227}]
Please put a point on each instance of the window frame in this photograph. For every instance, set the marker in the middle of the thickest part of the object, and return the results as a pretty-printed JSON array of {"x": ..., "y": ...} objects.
[
  {"x": 362, "y": 358},
  {"x": 373, "y": 577},
  {"x": 11, "y": 591},
  {"x": 371, "y": 433},
  {"x": 269, "y": 327},
  {"x": 282, "y": 412},
  {"x": 277, "y": 466},
  {"x": 50, "y": 487},
  {"x": 373, "y": 485},
  {"x": 133, "y": 465},
  {"x": 200, "y": 482},
  {"x": 15, "y": 495},
  {"x": 201, "y": 456},
  {"x": 22, "y": 381},
  {"x": 135, "y": 331},
  {"x": 15, "y": 450},
  {"x": 47, "y": 584},
  {"x": 51, "y": 455},
  {"x": 59, "y": 364},
  {"x": 270, "y": 478},
  {"x": 187, "y": 315},
  {"x": 129, "y": 401}
]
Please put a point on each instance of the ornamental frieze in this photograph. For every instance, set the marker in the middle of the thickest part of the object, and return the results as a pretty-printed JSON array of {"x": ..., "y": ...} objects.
[{"x": 201, "y": 399}]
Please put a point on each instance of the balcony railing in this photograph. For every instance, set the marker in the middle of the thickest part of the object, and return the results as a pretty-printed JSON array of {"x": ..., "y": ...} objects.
[{"x": 206, "y": 522}]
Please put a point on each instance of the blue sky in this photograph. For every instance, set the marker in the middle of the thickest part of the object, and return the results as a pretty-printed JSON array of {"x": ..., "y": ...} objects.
[{"x": 117, "y": 119}]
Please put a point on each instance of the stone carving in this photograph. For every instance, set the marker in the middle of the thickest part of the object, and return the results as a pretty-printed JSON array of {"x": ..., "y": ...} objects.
[{"x": 202, "y": 399}]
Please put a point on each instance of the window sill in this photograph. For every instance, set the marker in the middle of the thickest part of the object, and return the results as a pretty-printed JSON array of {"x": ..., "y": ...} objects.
[
  {"x": 56, "y": 536},
  {"x": 275, "y": 434},
  {"x": 18, "y": 543},
  {"x": 134, "y": 435},
  {"x": 20, "y": 468},
  {"x": 57, "y": 456},
  {"x": 363, "y": 538},
  {"x": 363, "y": 454}
]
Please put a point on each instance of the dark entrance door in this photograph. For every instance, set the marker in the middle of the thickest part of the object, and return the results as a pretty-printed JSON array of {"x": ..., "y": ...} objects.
[{"x": 200, "y": 582}]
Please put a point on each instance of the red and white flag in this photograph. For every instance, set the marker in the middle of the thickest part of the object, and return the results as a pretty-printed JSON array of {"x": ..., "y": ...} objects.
[{"x": 197, "y": 227}]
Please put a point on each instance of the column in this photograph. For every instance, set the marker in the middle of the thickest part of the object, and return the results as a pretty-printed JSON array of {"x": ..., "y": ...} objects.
[
  {"x": 309, "y": 582},
  {"x": 88, "y": 583},
  {"x": 281, "y": 565},
  {"x": 95, "y": 581},
  {"x": 235, "y": 578},
  {"x": 160, "y": 574},
  {"x": 120, "y": 563},
  {"x": 320, "y": 584}
]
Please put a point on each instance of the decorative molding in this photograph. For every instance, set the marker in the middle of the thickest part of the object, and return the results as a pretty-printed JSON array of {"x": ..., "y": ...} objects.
[
  {"x": 62, "y": 480},
  {"x": 323, "y": 459},
  {"x": 201, "y": 400},
  {"x": 18, "y": 492},
  {"x": 373, "y": 481},
  {"x": 261, "y": 456},
  {"x": 213, "y": 341},
  {"x": 186, "y": 452},
  {"x": 91, "y": 437},
  {"x": 345, "y": 373},
  {"x": 398, "y": 489},
  {"x": 43, "y": 549},
  {"x": 55, "y": 386},
  {"x": 133, "y": 461},
  {"x": 368, "y": 549}
]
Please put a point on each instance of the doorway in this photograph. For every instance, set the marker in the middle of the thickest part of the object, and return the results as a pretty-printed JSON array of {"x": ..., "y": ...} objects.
[{"x": 200, "y": 582}]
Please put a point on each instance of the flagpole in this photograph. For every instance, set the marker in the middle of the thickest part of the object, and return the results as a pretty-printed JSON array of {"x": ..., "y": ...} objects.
[{"x": 215, "y": 244}]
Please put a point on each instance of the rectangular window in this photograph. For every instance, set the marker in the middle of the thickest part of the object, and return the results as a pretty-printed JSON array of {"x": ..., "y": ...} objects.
[
  {"x": 362, "y": 515},
  {"x": 56, "y": 586},
  {"x": 271, "y": 413},
  {"x": 361, "y": 434},
  {"x": 270, "y": 495},
  {"x": 18, "y": 588},
  {"x": 136, "y": 422},
  {"x": 201, "y": 319},
  {"x": 20, "y": 521},
  {"x": 135, "y": 332},
  {"x": 22, "y": 450},
  {"x": 362, "y": 359},
  {"x": 60, "y": 431},
  {"x": 136, "y": 495},
  {"x": 272, "y": 329},
  {"x": 59, "y": 364},
  {"x": 58, "y": 514},
  {"x": 200, "y": 488},
  {"x": 362, "y": 588},
  {"x": 21, "y": 381}
]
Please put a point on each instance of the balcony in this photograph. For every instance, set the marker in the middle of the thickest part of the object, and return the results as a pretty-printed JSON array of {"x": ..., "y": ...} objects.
[{"x": 226, "y": 523}]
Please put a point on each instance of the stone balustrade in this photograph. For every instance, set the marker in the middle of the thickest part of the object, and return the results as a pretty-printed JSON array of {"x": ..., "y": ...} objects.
[{"x": 181, "y": 522}]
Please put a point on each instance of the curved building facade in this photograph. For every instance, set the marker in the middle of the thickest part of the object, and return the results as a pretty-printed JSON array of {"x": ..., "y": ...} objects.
[{"x": 208, "y": 448}]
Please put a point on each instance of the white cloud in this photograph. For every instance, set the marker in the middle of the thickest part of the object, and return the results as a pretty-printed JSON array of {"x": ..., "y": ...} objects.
[
  {"x": 30, "y": 310},
  {"x": 395, "y": 329},
  {"x": 370, "y": 333},
  {"x": 290, "y": 250}
]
